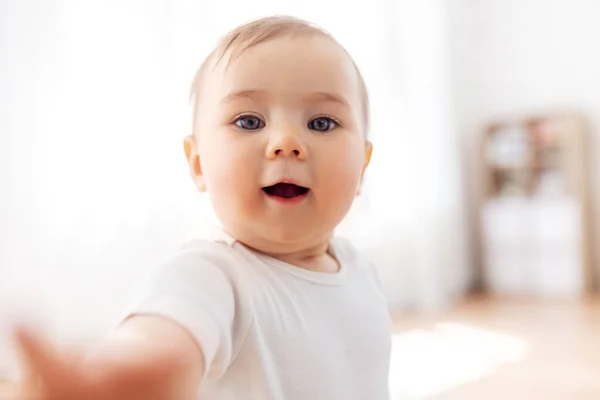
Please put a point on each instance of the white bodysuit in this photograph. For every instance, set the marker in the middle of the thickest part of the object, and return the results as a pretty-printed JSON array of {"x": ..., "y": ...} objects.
[{"x": 273, "y": 331}]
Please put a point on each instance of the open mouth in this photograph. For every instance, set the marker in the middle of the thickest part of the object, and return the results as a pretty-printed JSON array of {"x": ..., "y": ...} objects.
[{"x": 285, "y": 190}]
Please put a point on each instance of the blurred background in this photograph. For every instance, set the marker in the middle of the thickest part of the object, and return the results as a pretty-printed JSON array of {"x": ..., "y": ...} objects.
[{"x": 479, "y": 208}]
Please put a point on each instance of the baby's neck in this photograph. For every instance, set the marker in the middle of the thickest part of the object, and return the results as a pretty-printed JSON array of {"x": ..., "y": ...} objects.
[{"x": 318, "y": 259}]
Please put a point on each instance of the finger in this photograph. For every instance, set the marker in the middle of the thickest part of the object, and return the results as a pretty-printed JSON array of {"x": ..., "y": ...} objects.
[{"x": 41, "y": 358}]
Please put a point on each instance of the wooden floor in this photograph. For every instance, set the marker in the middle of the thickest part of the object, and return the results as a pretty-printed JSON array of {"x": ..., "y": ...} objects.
[{"x": 493, "y": 349}]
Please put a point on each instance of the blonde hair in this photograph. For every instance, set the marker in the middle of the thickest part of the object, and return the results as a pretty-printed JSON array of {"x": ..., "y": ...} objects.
[{"x": 245, "y": 36}]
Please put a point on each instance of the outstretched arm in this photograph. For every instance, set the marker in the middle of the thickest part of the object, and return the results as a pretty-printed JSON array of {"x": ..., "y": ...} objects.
[{"x": 146, "y": 358}]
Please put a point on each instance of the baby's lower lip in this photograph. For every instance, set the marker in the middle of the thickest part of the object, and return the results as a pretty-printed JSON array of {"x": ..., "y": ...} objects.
[{"x": 288, "y": 200}]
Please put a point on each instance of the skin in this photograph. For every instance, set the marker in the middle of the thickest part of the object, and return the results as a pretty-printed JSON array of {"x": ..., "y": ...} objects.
[{"x": 303, "y": 95}]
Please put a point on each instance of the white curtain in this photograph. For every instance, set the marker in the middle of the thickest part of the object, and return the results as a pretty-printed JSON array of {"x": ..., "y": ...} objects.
[{"x": 93, "y": 182}]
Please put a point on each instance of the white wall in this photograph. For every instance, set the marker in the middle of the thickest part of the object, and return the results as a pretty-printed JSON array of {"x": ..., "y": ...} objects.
[{"x": 513, "y": 56}]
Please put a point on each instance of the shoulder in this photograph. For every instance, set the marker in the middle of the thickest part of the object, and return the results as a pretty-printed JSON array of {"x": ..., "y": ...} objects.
[
  {"x": 199, "y": 268},
  {"x": 205, "y": 249},
  {"x": 199, "y": 256},
  {"x": 355, "y": 258},
  {"x": 346, "y": 250}
]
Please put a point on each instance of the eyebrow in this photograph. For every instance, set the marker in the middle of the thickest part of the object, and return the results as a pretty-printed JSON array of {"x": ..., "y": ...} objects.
[
  {"x": 244, "y": 94},
  {"x": 329, "y": 97},
  {"x": 261, "y": 94}
]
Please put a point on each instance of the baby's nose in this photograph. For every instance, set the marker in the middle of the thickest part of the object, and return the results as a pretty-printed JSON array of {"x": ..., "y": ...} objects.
[
  {"x": 287, "y": 145},
  {"x": 286, "y": 152}
]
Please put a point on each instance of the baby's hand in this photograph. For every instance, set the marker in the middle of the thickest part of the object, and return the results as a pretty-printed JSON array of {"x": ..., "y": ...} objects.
[{"x": 55, "y": 376}]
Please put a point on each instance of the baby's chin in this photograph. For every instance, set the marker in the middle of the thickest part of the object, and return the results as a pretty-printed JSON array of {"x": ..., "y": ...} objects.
[{"x": 281, "y": 238}]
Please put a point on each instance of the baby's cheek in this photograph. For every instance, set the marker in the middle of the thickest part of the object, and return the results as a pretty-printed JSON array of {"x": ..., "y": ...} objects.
[
  {"x": 226, "y": 168},
  {"x": 227, "y": 184},
  {"x": 340, "y": 186},
  {"x": 342, "y": 169}
]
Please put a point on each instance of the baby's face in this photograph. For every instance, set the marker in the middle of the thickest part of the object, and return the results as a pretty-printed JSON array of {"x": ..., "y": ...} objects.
[{"x": 280, "y": 142}]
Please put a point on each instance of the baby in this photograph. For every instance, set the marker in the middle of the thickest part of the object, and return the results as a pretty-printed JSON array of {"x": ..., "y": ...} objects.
[{"x": 274, "y": 306}]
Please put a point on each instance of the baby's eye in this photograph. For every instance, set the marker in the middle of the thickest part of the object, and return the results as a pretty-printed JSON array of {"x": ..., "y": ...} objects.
[
  {"x": 249, "y": 123},
  {"x": 322, "y": 124}
]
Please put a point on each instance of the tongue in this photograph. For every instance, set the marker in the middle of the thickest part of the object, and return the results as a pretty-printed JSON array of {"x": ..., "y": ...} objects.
[{"x": 285, "y": 190}]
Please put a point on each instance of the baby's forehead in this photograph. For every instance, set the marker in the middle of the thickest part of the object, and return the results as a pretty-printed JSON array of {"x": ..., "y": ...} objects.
[
  {"x": 314, "y": 59},
  {"x": 283, "y": 68}
]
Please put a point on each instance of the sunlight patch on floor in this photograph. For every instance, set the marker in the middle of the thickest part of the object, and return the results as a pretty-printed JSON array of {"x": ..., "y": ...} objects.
[{"x": 426, "y": 363}]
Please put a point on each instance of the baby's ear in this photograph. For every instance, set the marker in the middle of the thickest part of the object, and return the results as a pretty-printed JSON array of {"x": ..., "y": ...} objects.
[
  {"x": 193, "y": 159},
  {"x": 368, "y": 153},
  {"x": 367, "y": 161}
]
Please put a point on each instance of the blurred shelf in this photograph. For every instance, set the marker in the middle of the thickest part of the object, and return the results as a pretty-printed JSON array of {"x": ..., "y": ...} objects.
[{"x": 535, "y": 208}]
